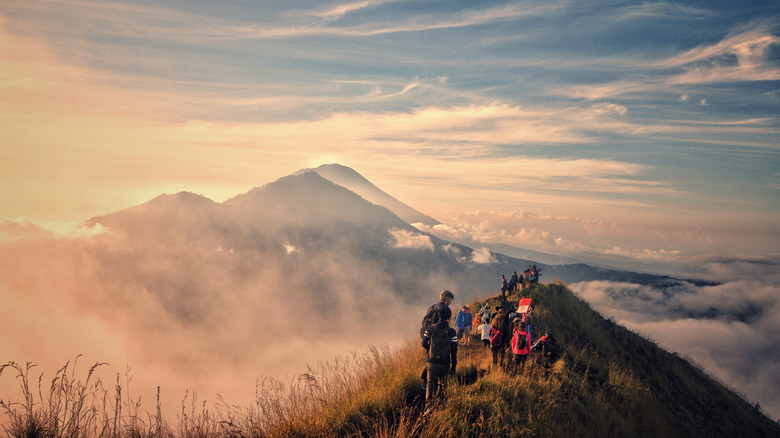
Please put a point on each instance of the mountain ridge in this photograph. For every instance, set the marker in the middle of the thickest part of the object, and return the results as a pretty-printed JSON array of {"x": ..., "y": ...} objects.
[
  {"x": 306, "y": 230},
  {"x": 307, "y": 200}
]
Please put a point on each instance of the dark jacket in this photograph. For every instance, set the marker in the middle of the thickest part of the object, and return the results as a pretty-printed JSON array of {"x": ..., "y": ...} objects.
[
  {"x": 432, "y": 314},
  {"x": 452, "y": 334}
]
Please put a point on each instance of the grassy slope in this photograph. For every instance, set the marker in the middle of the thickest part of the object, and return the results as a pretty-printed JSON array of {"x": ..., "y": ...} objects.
[{"x": 608, "y": 382}]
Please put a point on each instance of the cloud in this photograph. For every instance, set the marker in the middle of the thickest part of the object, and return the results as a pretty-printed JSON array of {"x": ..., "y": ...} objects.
[
  {"x": 186, "y": 316},
  {"x": 748, "y": 47},
  {"x": 482, "y": 256},
  {"x": 212, "y": 24},
  {"x": 729, "y": 329},
  {"x": 410, "y": 239},
  {"x": 743, "y": 55}
]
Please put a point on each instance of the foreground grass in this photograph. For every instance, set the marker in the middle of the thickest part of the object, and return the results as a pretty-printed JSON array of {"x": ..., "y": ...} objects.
[{"x": 607, "y": 382}]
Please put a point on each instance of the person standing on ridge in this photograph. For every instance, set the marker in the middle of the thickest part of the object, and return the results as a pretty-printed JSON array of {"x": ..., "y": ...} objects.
[
  {"x": 484, "y": 330},
  {"x": 463, "y": 322},
  {"x": 496, "y": 336},
  {"x": 484, "y": 314},
  {"x": 521, "y": 345},
  {"x": 441, "y": 342},
  {"x": 432, "y": 314},
  {"x": 504, "y": 287}
]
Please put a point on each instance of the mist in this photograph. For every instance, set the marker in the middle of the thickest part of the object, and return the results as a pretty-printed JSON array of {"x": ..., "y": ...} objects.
[
  {"x": 729, "y": 328},
  {"x": 198, "y": 297},
  {"x": 192, "y": 316}
]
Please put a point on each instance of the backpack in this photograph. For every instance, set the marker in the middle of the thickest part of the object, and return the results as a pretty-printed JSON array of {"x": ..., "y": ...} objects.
[
  {"x": 430, "y": 318},
  {"x": 521, "y": 341},
  {"x": 496, "y": 337},
  {"x": 439, "y": 350}
]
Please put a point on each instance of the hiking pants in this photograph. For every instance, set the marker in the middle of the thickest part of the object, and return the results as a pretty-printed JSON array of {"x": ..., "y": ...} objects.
[
  {"x": 437, "y": 375},
  {"x": 498, "y": 355},
  {"x": 519, "y": 361}
]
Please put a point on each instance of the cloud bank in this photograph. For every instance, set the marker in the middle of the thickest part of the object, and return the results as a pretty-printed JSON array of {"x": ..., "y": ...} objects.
[
  {"x": 729, "y": 329},
  {"x": 192, "y": 316}
]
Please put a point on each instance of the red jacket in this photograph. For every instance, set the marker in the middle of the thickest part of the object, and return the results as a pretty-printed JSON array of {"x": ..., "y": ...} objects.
[{"x": 527, "y": 348}]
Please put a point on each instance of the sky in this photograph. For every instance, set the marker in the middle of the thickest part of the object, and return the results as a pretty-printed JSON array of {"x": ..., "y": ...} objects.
[
  {"x": 622, "y": 131},
  {"x": 640, "y": 135}
]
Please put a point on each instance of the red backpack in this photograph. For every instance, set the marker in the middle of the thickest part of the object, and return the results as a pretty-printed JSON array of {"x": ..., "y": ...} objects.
[{"x": 496, "y": 337}]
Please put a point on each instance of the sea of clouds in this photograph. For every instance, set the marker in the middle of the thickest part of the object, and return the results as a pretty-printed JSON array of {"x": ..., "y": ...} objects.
[{"x": 730, "y": 329}]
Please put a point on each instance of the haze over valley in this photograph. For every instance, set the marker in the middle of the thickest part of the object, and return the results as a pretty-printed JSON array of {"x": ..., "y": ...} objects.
[
  {"x": 210, "y": 193},
  {"x": 197, "y": 295}
]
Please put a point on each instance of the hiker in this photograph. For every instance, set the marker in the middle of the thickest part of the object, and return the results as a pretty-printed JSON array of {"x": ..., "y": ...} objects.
[
  {"x": 441, "y": 342},
  {"x": 484, "y": 313},
  {"x": 497, "y": 337},
  {"x": 528, "y": 319},
  {"x": 504, "y": 287},
  {"x": 535, "y": 274},
  {"x": 521, "y": 344},
  {"x": 463, "y": 323},
  {"x": 513, "y": 281},
  {"x": 547, "y": 345},
  {"x": 432, "y": 314},
  {"x": 528, "y": 275},
  {"x": 484, "y": 329}
]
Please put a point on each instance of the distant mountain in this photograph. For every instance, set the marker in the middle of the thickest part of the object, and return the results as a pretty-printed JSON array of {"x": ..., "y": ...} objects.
[
  {"x": 301, "y": 252},
  {"x": 347, "y": 177},
  {"x": 522, "y": 253},
  {"x": 322, "y": 222}
]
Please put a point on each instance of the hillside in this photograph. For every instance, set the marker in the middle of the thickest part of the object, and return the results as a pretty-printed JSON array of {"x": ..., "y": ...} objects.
[{"x": 608, "y": 382}]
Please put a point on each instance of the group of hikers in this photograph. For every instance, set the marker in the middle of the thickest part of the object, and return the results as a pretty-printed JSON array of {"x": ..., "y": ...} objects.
[
  {"x": 506, "y": 332},
  {"x": 528, "y": 278}
]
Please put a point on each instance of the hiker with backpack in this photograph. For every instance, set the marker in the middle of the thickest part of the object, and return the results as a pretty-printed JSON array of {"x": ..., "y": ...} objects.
[
  {"x": 521, "y": 345},
  {"x": 432, "y": 314},
  {"x": 441, "y": 342},
  {"x": 484, "y": 313}
]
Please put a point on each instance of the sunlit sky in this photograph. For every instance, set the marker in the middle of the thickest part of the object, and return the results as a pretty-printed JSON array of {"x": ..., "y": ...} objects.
[{"x": 639, "y": 131}]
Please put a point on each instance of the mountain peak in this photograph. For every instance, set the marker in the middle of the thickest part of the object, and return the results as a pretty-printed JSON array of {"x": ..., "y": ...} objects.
[
  {"x": 352, "y": 180},
  {"x": 308, "y": 198}
]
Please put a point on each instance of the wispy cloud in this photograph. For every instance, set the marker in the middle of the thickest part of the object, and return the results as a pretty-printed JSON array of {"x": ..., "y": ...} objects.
[{"x": 743, "y": 55}]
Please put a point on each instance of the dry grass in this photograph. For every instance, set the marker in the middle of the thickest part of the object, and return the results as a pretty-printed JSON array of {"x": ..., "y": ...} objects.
[{"x": 606, "y": 382}]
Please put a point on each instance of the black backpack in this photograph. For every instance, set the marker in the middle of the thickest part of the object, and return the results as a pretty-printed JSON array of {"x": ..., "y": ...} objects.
[
  {"x": 521, "y": 341},
  {"x": 439, "y": 350}
]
